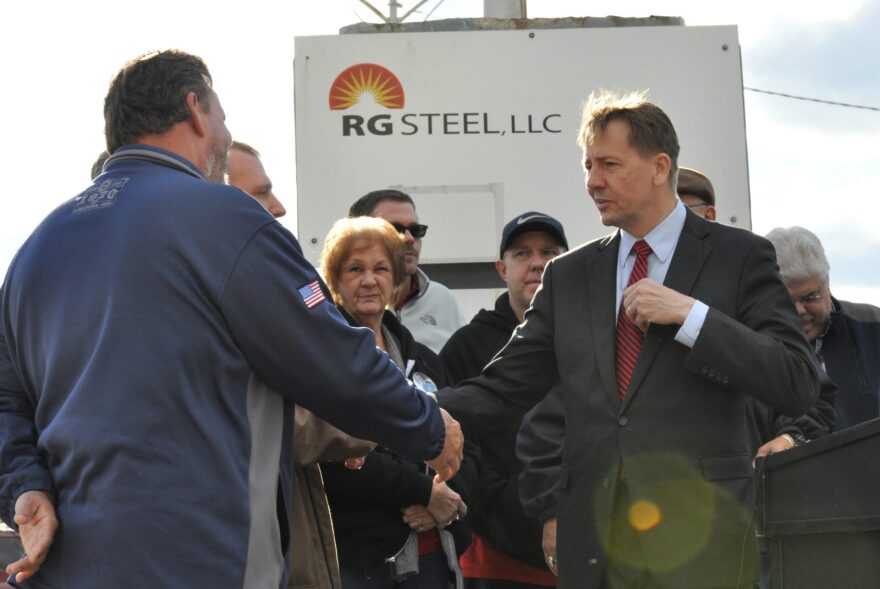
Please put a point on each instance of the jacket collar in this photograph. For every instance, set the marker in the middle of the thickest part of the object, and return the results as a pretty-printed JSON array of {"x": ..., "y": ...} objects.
[
  {"x": 392, "y": 323},
  {"x": 157, "y": 155}
]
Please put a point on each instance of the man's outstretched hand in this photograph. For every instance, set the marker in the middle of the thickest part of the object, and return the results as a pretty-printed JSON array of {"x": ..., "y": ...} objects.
[{"x": 449, "y": 460}]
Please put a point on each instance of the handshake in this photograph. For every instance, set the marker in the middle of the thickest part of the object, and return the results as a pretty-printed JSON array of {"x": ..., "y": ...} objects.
[{"x": 449, "y": 460}]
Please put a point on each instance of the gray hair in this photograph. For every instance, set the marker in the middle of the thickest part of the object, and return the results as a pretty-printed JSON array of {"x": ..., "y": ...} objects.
[{"x": 800, "y": 254}]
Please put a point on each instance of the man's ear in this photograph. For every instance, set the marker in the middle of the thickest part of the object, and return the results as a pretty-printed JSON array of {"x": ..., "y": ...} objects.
[
  {"x": 710, "y": 212},
  {"x": 501, "y": 267},
  {"x": 662, "y": 167},
  {"x": 196, "y": 112}
]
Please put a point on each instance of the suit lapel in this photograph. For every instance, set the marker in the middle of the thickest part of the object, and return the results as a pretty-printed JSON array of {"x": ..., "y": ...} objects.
[
  {"x": 603, "y": 292},
  {"x": 687, "y": 263},
  {"x": 690, "y": 255}
]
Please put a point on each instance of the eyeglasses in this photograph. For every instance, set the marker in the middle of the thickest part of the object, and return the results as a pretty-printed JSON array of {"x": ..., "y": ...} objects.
[
  {"x": 697, "y": 204},
  {"x": 809, "y": 299},
  {"x": 416, "y": 230}
]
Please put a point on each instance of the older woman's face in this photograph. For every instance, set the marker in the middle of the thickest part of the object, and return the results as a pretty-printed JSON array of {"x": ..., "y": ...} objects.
[{"x": 366, "y": 281}]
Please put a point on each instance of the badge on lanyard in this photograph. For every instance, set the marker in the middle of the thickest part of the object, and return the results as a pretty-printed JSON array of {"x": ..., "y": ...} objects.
[{"x": 423, "y": 383}]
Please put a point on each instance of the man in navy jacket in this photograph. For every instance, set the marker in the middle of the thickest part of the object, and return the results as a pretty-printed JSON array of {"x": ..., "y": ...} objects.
[{"x": 142, "y": 326}]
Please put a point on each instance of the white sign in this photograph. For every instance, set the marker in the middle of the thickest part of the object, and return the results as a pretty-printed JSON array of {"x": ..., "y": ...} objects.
[{"x": 481, "y": 126}]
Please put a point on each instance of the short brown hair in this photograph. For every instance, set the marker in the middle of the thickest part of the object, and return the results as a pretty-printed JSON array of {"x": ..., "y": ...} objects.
[
  {"x": 650, "y": 129},
  {"x": 364, "y": 205},
  {"x": 352, "y": 233},
  {"x": 245, "y": 148},
  {"x": 148, "y": 95}
]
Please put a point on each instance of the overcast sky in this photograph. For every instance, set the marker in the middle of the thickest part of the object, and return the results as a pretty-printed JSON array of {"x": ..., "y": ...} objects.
[{"x": 811, "y": 164}]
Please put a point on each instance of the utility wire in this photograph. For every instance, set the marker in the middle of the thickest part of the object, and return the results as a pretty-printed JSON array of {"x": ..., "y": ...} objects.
[
  {"x": 819, "y": 100},
  {"x": 433, "y": 9}
]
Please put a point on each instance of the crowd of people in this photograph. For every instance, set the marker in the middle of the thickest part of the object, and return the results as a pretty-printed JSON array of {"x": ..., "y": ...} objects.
[{"x": 186, "y": 401}]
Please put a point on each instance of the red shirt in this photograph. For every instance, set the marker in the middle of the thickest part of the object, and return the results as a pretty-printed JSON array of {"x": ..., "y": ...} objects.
[
  {"x": 429, "y": 542},
  {"x": 482, "y": 561}
]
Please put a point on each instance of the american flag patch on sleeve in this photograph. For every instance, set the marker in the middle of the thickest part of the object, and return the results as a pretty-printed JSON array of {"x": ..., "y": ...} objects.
[{"x": 311, "y": 294}]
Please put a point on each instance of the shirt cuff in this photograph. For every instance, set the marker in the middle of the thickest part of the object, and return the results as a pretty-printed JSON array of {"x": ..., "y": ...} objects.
[{"x": 693, "y": 323}]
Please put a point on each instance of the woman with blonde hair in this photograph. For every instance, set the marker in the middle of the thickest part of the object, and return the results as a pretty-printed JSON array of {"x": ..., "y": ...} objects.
[{"x": 395, "y": 526}]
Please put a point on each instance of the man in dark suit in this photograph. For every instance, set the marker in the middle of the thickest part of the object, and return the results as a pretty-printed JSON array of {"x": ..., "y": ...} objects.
[{"x": 656, "y": 486}]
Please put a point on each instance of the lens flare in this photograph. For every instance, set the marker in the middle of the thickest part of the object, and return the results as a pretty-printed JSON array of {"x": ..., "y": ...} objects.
[
  {"x": 644, "y": 515},
  {"x": 679, "y": 512}
]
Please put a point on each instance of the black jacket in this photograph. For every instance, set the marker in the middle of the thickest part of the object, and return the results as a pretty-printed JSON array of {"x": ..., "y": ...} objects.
[
  {"x": 819, "y": 421},
  {"x": 851, "y": 350},
  {"x": 683, "y": 418},
  {"x": 366, "y": 503},
  {"x": 497, "y": 515}
]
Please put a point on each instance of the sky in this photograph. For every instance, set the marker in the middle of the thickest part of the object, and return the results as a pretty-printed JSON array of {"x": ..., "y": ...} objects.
[{"x": 810, "y": 164}]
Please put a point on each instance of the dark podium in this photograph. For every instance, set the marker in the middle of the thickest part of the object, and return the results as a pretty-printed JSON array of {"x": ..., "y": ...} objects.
[{"x": 818, "y": 507}]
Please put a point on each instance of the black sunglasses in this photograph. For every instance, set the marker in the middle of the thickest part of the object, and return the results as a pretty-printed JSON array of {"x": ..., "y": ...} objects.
[{"x": 417, "y": 230}]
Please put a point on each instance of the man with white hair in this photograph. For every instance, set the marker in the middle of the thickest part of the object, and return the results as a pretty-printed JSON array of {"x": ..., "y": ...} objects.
[{"x": 844, "y": 335}]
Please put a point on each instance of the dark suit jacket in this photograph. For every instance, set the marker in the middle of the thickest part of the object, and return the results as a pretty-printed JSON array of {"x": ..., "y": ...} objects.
[
  {"x": 680, "y": 438},
  {"x": 851, "y": 349}
]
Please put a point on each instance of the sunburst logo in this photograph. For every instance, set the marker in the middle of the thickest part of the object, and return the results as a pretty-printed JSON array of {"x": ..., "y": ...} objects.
[{"x": 366, "y": 78}]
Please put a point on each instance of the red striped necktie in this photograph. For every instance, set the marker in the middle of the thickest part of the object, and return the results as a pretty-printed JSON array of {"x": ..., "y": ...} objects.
[{"x": 628, "y": 341}]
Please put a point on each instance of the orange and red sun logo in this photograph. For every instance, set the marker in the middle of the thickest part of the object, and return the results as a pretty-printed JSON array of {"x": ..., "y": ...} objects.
[{"x": 366, "y": 78}]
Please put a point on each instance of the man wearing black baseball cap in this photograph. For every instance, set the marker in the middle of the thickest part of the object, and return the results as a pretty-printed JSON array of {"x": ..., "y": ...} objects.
[
  {"x": 507, "y": 543},
  {"x": 528, "y": 242}
]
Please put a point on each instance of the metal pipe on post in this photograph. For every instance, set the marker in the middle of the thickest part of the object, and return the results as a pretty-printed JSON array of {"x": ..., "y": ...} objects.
[
  {"x": 392, "y": 11},
  {"x": 504, "y": 9}
]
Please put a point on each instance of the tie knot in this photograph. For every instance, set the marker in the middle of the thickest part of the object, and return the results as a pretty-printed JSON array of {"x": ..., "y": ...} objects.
[{"x": 641, "y": 248}]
